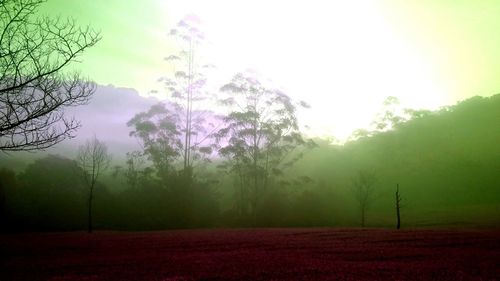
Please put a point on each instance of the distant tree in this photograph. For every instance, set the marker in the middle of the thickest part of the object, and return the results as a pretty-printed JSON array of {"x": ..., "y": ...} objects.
[
  {"x": 360, "y": 133},
  {"x": 34, "y": 90},
  {"x": 259, "y": 134},
  {"x": 49, "y": 196},
  {"x": 8, "y": 183},
  {"x": 417, "y": 113},
  {"x": 159, "y": 130},
  {"x": 176, "y": 134},
  {"x": 186, "y": 89},
  {"x": 93, "y": 159},
  {"x": 161, "y": 136},
  {"x": 363, "y": 188},
  {"x": 391, "y": 116},
  {"x": 134, "y": 171},
  {"x": 398, "y": 207}
]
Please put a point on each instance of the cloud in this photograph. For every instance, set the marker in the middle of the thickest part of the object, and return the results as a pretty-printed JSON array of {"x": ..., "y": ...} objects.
[{"x": 105, "y": 117}]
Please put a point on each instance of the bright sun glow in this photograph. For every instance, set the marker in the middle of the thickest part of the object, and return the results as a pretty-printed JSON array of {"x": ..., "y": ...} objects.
[{"x": 342, "y": 57}]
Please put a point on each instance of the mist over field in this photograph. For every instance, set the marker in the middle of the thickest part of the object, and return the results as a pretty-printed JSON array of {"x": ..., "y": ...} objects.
[
  {"x": 446, "y": 163},
  {"x": 229, "y": 140}
]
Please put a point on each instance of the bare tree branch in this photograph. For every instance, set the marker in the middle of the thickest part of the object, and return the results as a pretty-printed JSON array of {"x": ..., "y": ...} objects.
[
  {"x": 33, "y": 89},
  {"x": 93, "y": 158}
]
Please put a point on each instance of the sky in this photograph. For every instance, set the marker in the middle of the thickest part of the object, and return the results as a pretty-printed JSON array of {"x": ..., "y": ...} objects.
[{"x": 342, "y": 57}]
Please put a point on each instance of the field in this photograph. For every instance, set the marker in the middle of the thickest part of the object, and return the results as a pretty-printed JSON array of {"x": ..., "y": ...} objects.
[{"x": 253, "y": 254}]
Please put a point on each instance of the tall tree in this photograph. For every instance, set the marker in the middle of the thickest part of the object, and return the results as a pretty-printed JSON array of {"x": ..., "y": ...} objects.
[
  {"x": 34, "y": 90},
  {"x": 259, "y": 135},
  {"x": 93, "y": 158},
  {"x": 160, "y": 132},
  {"x": 186, "y": 88}
]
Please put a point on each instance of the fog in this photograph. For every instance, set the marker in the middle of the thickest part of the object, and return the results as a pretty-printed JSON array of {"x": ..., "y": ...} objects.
[
  {"x": 241, "y": 146},
  {"x": 445, "y": 162}
]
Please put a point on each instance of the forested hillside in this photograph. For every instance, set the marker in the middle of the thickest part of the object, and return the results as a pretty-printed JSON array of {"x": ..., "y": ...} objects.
[{"x": 447, "y": 165}]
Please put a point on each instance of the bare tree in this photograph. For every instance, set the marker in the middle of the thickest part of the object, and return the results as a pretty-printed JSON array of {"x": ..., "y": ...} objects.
[
  {"x": 398, "y": 207},
  {"x": 34, "y": 90},
  {"x": 363, "y": 188},
  {"x": 93, "y": 158}
]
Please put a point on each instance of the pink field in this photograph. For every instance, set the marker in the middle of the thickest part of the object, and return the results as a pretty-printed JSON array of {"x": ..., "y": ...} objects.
[{"x": 254, "y": 254}]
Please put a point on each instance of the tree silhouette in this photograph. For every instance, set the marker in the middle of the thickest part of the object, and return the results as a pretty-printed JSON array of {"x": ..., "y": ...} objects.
[
  {"x": 93, "y": 159},
  {"x": 259, "y": 135},
  {"x": 363, "y": 189},
  {"x": 398, "y": 207},
  {"x": 159, "y": 130},
  {"x": 186, "y": 88},
  {"x": 34, "y": 90},
  {"x": 8, "y": 183}
]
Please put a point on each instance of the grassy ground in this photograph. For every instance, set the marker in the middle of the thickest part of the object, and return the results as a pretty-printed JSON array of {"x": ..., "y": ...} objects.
[{"x": 254, "y": 254}]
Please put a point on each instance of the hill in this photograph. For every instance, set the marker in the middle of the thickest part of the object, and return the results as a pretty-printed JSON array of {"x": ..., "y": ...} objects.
[
  {"x": 447, "y": 164},
  {"x": 106, "y": 117}
]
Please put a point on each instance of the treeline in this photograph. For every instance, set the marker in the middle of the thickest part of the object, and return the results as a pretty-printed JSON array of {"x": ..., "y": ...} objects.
[
  {"x": 51, "y": 195},
  {"x": 252, "y": 166},
  {"x": 446, "y": 162}
]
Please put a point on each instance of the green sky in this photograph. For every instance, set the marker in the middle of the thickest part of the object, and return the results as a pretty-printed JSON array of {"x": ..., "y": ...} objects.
[
  {"x": 343, "y": 57},
  {"x": 133, "y": 38},
  {"x": 461, "y": 36}
]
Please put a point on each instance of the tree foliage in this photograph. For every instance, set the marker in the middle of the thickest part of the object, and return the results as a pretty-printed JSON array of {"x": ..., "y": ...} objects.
[
  {"x": 159, "y": 130},
  {"x": 259, "y": 134},
  {"x": 186, "y": 88}
]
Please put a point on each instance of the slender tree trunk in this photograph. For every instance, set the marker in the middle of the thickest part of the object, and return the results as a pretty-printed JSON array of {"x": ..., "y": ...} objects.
[
  {"x": 398, "y": 206},
  {"x": 256, "y": 175},
  {"x": 242, "y": 195},
  {"x": 186, "y": 136},
  {"x": 362, "y": 216},
  {"x": 90, "y": 209}
]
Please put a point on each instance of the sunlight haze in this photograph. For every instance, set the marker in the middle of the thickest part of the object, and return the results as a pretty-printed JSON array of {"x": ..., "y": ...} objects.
[{"x": 342, "y": 57}]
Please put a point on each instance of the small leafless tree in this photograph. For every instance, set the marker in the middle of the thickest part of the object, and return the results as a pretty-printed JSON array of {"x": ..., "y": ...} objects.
[
  {"x": 34, "y": 90},
  {"x": 93, "y": 158},
  {"x": 398, "y": 207},
  {"x": 364, "y": 192}
]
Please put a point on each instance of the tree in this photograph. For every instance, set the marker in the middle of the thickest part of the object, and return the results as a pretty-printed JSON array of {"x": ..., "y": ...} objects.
[
  {"x": 391, "y": 115},
  {"x": 174, "y": 134},
  {"x": 8, "y": 184},
  {"x": 50, "y": 197},
  {"x": 258, "y": 136},
  {"x": 186, "y": 89},
  {"x": 159, "y": 130},
  {"x": 134, "y": 172},
  {"x": 398, "y": 207},
  {"x": 93, "y": 159},
  {"x": 34, "y": 90},
  {"x": 363, "y": 189}
]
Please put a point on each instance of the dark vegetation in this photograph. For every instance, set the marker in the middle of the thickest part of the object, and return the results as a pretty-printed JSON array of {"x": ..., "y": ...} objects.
[
  {"x": 447, "y": 164},
  {"x": 253, "y": 254},
  {"x": 234, "y": 158},
  {"x": 34, "y": 91},
  {"x": 249, "y": 164}
]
